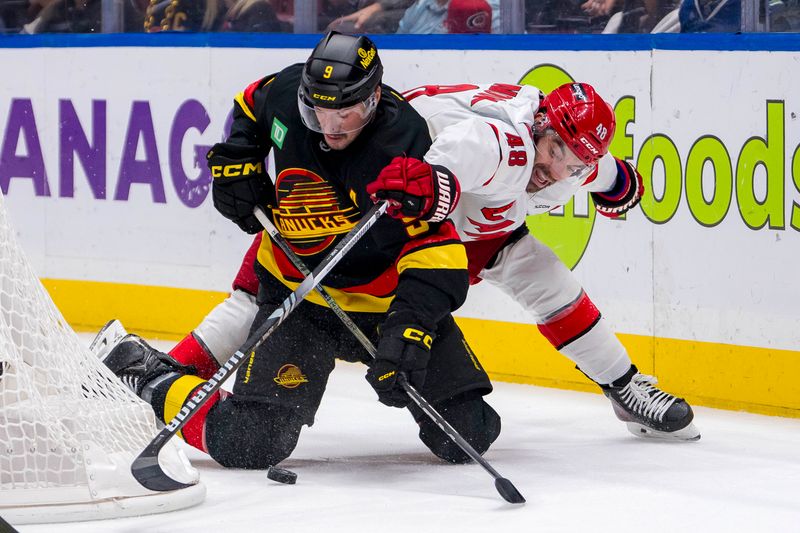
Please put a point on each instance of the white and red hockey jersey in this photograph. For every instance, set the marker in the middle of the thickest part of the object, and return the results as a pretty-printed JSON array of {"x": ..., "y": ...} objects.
[{"x": 482, "y": 134}]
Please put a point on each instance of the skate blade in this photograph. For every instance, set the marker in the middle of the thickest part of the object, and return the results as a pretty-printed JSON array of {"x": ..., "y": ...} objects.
[
  {"x": 689, "y": 433},
  {"x": 108, "y": 337}
]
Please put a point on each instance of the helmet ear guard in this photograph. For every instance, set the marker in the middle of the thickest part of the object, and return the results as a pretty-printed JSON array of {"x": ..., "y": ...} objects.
[{"x": 583, "y": 120}]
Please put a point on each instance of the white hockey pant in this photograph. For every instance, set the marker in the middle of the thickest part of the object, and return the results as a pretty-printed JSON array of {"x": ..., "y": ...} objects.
[
  {"x": 530, "y": 272},
  {"x": 226, "y": 327}
]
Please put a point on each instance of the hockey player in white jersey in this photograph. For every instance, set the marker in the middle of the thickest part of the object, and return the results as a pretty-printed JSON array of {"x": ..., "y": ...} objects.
[
  {"x": 500, "y": 153},
  {"x": 514, "y": 152}
]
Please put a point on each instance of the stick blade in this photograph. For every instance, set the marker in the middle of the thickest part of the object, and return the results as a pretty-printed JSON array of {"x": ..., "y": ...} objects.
[
  {"x": 146, "y": 470},
  {"x": 508, "y": 491}
]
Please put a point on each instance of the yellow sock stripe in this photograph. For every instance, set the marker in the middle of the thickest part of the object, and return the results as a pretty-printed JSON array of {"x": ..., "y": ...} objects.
[{"x": 178, "y": 393}]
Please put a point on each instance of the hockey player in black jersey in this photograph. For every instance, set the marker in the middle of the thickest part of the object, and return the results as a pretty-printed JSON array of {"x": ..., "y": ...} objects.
[{"x": 331, "y": 127}]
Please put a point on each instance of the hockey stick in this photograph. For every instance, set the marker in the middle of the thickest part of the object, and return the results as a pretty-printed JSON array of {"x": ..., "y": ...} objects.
[
  {"x": 145, "y": 467},
  {"x": 503, "y": 485}
]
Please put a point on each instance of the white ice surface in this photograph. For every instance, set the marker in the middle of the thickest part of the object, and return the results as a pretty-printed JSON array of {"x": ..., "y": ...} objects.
[{"x": 361, "y": 468}]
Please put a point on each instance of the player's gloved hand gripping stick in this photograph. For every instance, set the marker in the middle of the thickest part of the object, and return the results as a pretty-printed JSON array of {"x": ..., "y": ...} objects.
[
  {"x": 145, "y": 467},
  {"x": 506, "y": 489}
]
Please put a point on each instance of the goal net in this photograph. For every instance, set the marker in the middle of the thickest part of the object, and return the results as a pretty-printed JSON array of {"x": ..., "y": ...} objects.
[{"x": 69, "y": 429}]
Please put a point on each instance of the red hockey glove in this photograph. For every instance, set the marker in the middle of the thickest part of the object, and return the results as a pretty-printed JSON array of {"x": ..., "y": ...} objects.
[
  {"x": 625, "y": 194},
  {"x": 416, "y": 189}
]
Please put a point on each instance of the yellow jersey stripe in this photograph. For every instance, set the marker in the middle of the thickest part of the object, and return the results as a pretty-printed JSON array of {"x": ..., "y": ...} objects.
[
  {"x": 356, "y": 302},
  {"x": 177, "y": 394},
  {"x": 247, "y": 111},
  {"x": 448, "y": 256}
]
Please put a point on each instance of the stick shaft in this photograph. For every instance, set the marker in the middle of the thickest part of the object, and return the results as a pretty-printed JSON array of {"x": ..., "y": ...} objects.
[
  {"x": 412, "y": 392},
  {"x": 145, "y": 467}
]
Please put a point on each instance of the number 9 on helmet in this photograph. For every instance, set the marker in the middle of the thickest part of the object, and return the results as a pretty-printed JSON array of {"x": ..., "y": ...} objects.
[{"x": 338, "y": 90}]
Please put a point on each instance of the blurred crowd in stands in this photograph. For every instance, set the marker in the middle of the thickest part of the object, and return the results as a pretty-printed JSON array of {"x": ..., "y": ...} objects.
[{"x": 400, "y": 16}]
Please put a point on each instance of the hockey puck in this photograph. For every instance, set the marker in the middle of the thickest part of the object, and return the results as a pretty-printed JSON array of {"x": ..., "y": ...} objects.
[{"x": 281, "y": 475}]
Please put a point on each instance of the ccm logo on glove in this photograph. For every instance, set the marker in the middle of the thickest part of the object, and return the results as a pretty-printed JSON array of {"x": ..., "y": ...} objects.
[
  {"x": 240, "y": 183},
  {"x": 387, "y": 375},
  {"x": 238, "y": 169},
  {"x": 419, "y": 336},
  {"x": 402, "y": 349}
]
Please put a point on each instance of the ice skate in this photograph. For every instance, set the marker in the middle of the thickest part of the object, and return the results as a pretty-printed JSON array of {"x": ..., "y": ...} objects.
[
  {"x": 138, "y": 364},
  {"x": 108, "y": 337},
  {"x": 648, "y": 411}
]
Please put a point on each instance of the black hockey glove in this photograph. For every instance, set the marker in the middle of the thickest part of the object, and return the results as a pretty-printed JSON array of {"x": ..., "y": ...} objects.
[
  {"x": 402, "y": 349},
  {"x": 240, "y": 183}
]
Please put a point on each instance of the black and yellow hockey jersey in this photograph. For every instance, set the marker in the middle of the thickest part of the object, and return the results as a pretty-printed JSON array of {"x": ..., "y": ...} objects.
[{"x": 320, "y": 194}]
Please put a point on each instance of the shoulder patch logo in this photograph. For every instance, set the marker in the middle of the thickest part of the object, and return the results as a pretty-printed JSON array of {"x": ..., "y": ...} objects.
[
  {"x": 278, "y": 132},
  {"x": 290, "y": 377}
]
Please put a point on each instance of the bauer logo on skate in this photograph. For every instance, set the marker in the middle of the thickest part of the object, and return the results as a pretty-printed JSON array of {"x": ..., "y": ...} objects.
[
  {"x": 290, "y": 377},
  {"x": 310, "y": 213}
]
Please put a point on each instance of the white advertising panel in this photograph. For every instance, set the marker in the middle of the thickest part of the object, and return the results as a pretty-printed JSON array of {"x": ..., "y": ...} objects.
[{"x": 102, "y": 162}]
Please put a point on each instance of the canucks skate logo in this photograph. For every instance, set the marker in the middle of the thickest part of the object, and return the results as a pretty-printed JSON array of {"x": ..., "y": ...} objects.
[
  {"x": 290, "y": 377},
  {"x": 310, "y": 213}
]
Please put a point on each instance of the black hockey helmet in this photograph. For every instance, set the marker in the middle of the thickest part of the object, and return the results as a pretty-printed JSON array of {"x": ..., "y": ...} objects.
[{"x": 342, "y": 71}]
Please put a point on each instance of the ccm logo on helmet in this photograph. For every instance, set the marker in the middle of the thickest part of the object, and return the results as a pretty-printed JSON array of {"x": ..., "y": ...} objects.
[
  {"x": 239, "y": 169},
  {"x": 323, "y": 97},
  {"x": 590, "y": 146}
]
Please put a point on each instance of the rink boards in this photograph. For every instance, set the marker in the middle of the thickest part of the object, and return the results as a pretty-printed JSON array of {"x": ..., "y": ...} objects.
[{"x": 102, "y": 161}]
